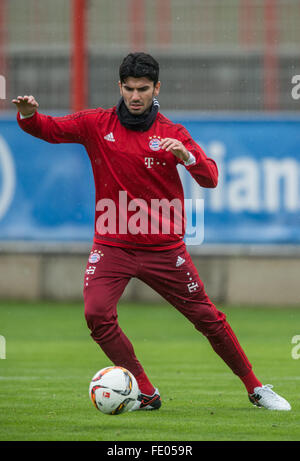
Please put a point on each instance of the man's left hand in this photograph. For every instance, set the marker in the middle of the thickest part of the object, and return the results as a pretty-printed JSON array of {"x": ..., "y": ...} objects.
[{"x": 176, "y": 147}]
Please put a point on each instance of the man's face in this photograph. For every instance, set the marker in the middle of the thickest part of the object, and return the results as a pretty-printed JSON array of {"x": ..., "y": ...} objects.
[{"x": 138, "y": 94}]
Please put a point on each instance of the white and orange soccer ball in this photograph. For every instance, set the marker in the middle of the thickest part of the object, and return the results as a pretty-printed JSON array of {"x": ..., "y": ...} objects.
[{"x": 113, "y": 390}]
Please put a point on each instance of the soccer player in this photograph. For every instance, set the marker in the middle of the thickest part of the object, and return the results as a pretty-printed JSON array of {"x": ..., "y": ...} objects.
[{"x": 140, "y": 221}]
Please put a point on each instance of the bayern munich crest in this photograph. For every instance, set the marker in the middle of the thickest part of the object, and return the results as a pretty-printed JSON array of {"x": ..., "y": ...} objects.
[
  {"x": 95, "y": 256},
  {"x": 154, "y": 143}
]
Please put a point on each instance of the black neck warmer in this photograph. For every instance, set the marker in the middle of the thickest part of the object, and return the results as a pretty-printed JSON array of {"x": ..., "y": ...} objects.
[{"x": 137, "y": 122}]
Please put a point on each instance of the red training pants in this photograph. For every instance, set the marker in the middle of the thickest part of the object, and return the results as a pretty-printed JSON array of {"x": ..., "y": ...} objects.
[{"x": 173, "y": 275}]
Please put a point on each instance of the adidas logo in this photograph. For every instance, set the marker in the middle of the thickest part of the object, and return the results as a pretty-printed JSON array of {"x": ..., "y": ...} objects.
[
  {"x": 179, "y": 261},
  {"x": 110, "y": 137}
]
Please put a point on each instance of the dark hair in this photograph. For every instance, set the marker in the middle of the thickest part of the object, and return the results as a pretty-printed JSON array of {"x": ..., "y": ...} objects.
[{"x": 139, "y": 65}]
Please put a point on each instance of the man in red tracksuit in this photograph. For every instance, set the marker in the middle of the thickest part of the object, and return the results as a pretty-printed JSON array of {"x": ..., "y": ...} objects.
[{"x": 140, "y": 221}]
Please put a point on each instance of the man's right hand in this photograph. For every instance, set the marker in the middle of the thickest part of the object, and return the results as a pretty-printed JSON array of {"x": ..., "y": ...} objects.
[{"x": 26, "y": 105}]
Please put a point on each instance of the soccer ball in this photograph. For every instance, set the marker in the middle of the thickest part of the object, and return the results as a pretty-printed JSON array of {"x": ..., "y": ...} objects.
[{"x": 113, "y": 390}]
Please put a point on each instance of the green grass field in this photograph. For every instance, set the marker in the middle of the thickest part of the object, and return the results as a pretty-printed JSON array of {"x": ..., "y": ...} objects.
[{"x": 50, "y": 359}]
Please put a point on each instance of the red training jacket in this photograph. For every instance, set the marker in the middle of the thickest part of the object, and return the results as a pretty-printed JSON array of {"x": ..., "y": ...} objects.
[{"x": 139, "y": 195}]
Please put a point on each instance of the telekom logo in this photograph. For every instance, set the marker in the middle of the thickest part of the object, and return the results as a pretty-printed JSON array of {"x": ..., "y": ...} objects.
[{"x": 149, "y": 162}]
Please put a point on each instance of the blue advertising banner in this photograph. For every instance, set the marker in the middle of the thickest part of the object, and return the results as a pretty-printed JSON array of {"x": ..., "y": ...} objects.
[
  {"x": 257, "y": 199},
  {"x": 47, "y": 191}
]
